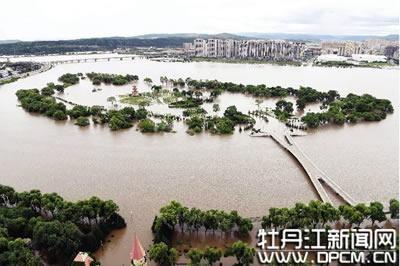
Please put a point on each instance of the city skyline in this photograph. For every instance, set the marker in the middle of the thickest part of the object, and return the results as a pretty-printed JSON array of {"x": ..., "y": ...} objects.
[{"x": 47, "y": 20}]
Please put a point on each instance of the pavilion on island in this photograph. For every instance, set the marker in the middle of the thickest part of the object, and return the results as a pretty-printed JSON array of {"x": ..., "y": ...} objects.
[
  {"x": 134, "y": 91},
  {"x": 138, "y": 254}
]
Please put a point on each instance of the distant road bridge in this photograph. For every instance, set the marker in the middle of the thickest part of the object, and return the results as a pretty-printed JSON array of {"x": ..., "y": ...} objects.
[
  {"x": 316, "y": 176},
  {"x": 91, "y": 59}
]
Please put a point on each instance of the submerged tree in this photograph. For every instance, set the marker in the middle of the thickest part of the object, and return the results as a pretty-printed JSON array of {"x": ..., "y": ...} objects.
[
  {"x": 376, "y": 212},
  {"x": 111, "y": 100},
  {"x": 394, "y": 208},
  {"x": 195, "y": 255},
  {"x": 243, "y": 252},
  {"x": 212, "y": 255},
  {"x": 162, "y": 254},
  {"x": 216, "y": 108}
]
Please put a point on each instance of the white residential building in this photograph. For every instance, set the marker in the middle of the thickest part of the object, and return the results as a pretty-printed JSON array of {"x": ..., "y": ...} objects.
[{"x": 256, "y": 49}]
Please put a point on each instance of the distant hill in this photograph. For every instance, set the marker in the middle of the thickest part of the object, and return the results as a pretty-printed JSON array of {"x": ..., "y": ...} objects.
[
  {"x": 8, "y": 41},
  {"x": 192, "y": 35},
  {"x": 280, "y": 36},
  {"x": 316, "y": 37},
  {"x": 15, "y": 47},
  {"x": 106, "y": 43},
  {"x": 92, "y": 44}
]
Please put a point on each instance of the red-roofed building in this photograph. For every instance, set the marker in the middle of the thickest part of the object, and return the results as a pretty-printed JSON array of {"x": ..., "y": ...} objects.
[
  {"x": 82, "y": 258},
  {"x": 138, "y": 255}
]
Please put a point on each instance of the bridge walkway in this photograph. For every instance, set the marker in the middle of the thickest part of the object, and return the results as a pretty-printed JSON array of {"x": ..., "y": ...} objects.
[{"x": 316, "y": 176}]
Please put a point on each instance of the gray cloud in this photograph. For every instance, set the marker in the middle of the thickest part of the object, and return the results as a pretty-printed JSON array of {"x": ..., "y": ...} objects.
[
  {"x": 64, "y": 19},
  {"x": 376, "y": 21}
]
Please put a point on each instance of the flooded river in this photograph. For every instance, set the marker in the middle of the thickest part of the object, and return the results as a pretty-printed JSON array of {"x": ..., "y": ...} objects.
[{"x": 143, "y": 172}]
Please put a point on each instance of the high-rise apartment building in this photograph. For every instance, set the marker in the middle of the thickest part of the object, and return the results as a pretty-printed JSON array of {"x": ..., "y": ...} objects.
[{"x": 256, "y": 49}]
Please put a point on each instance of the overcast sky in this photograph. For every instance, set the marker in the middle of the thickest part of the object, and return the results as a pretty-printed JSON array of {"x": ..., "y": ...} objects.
[{"x": 68, "y": 19}]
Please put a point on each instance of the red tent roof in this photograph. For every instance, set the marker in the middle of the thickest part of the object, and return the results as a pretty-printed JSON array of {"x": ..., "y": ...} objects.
[{"x": 137, "y": 252}]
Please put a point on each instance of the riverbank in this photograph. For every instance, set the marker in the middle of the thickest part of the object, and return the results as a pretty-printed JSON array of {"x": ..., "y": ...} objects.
[
  {"x": 12, "y": 78},
  {"x": 377, "y": 65},
  {"x": 340, "y": 64},
  {"x": 245, "y": 61},
  {"x": 162, "y": 57}
]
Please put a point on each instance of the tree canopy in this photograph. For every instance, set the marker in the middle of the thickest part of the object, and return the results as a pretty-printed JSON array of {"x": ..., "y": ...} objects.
[
  {"x": 57, "y": 228},
  {"x": 193, "y": 219},
  {"x": 118, "y": 80}
]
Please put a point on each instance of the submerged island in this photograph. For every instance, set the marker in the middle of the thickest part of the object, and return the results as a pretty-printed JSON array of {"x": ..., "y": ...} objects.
[{"x": 190, "y": 95}]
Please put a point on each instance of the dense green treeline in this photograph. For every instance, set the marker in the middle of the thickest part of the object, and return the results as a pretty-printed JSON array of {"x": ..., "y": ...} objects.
[
  {"x": 43, "y": 102},
  {"x": 186, "y": 103},
  {"x": 194, "y": 111},
  {"x": 335, "y": 109},
  {"x": 164, "y": 255},
  {"x": 192, "y": 220},
  {"x": 197, "y": 121},
  {"x": 304, "y": 94},
  {"x": 69, "y": 79},
  {"x": 118, "y": 80},
  {"x": 57, "y": 229},
  {"x": 149, "y": 126},
  {"x": 316, "y": 214},
  {"x": 323, "y": 216},
  {"x": 36, "y": 101},
  {"x": 190, "y": 98},
  {"x": 283, "y": 110},
  {"x": 217, "y": 87},
  {"x": 352, "y": 108}
]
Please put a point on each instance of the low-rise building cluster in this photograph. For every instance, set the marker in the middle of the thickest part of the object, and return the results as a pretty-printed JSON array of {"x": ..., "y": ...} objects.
[
  {"x": 376, "y": 50},
  {"x": 387, "y": 48},
  {"x": 11, "y": 69}
]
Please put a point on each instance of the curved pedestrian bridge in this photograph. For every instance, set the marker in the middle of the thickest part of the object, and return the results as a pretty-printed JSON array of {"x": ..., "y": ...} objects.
[{"x": 317, "y": 177}]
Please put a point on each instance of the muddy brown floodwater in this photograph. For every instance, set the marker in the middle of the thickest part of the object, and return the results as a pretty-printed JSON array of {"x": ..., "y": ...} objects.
[{"x": 141, "y": 172}]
